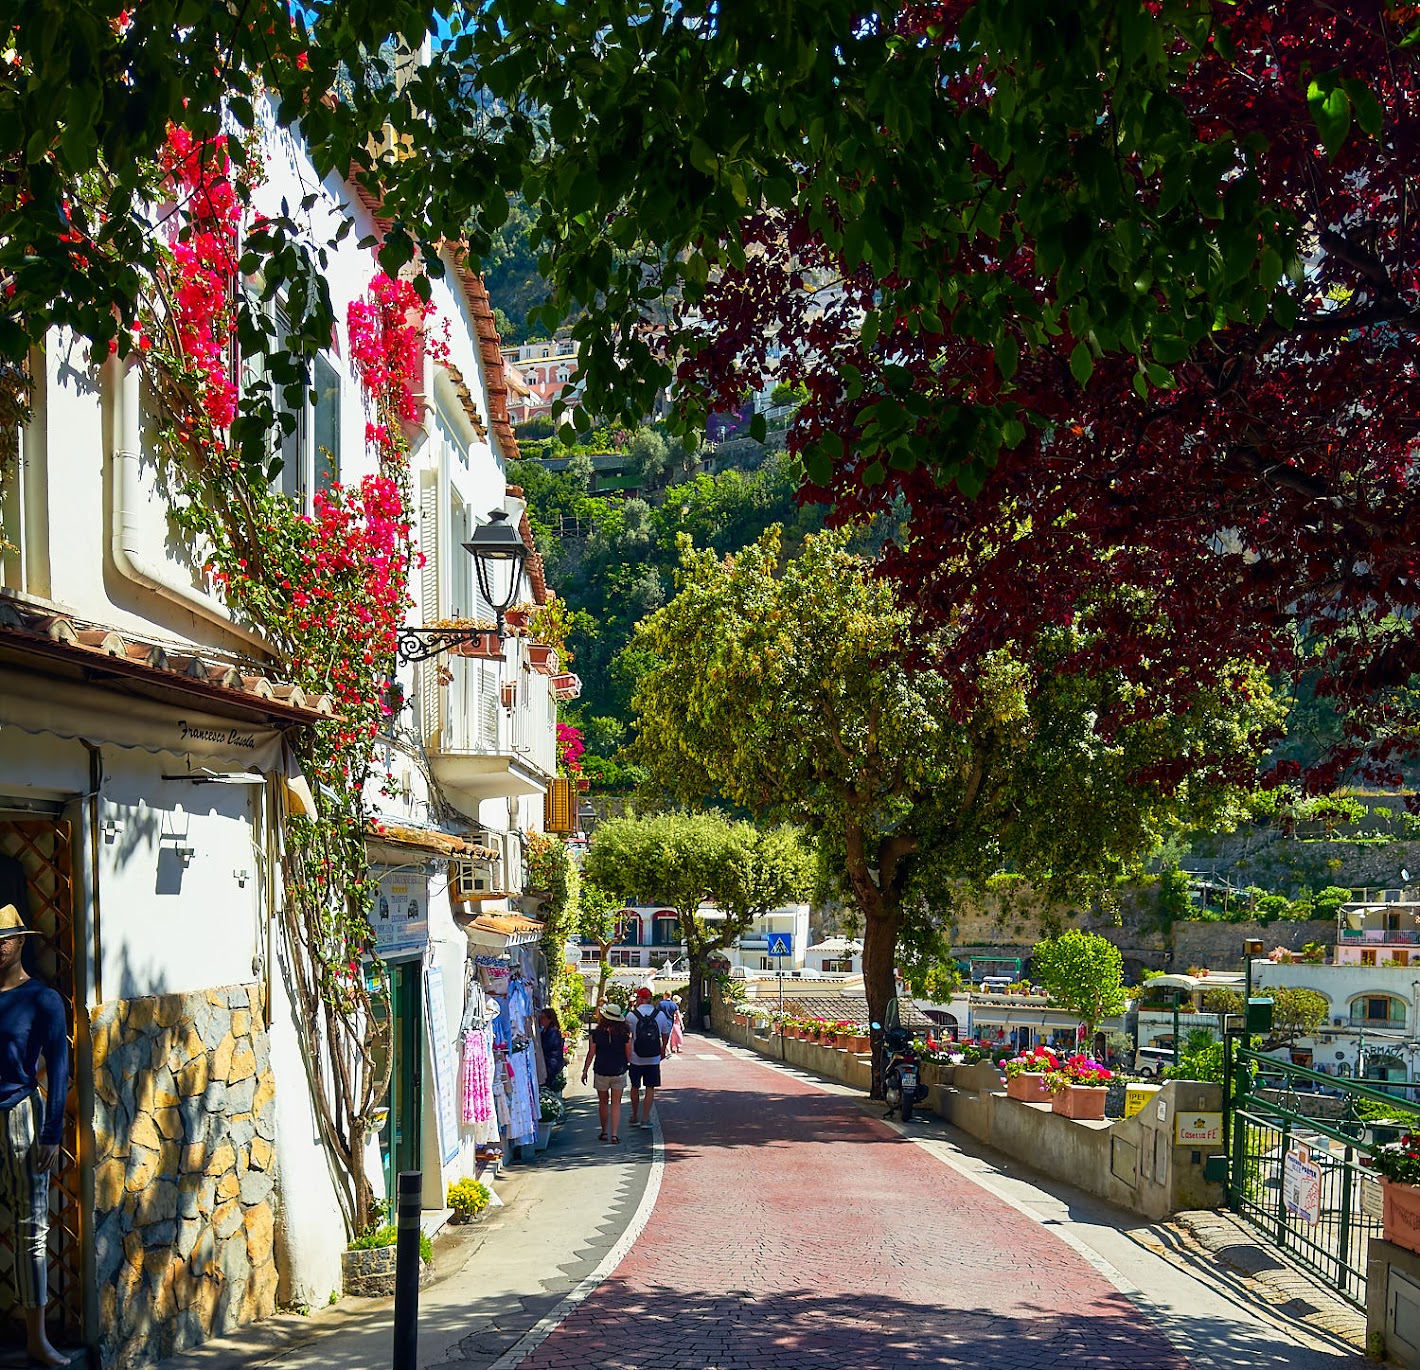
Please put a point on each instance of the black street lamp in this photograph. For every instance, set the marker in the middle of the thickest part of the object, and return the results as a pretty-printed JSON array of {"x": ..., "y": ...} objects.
[{"x": 498, "y": 553}]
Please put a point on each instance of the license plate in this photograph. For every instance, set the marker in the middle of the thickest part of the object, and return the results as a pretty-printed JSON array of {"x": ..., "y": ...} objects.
[{"x": 909, "y": 1079}]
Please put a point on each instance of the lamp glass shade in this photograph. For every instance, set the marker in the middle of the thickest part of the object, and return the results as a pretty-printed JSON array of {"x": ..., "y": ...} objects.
[{"x": 498, "y": 553}]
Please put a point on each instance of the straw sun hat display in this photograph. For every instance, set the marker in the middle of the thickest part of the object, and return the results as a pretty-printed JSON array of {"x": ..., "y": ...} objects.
[
  {"x": 11, "y": 924},
  {"x": 613, "y": 1013}
]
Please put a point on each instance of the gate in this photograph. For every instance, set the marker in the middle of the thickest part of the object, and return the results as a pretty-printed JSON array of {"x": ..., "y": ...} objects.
[
  {"x": 43, "y": 847},
  {"x": 1323, "y": 1205}
]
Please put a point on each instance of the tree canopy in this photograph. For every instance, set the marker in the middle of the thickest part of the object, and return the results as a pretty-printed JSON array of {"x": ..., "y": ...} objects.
[
  {"x": 1122, "y": 294},
  {"x": 1083, "y": 972},
  {"x": 787, "y": 690},
  {"x": 687, "y": 859}
]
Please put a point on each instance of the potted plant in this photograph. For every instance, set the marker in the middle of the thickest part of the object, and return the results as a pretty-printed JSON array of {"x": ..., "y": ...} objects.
[
  {"x": 1397, "y": 1164},
  {"x": 367, "y": 1266},
  {"x": 468, "y": 1198},
  {"x": 542, "y": 657},
  {"x": 1078, "y": 1089},
  {"x": 1027, "y": 1076}
]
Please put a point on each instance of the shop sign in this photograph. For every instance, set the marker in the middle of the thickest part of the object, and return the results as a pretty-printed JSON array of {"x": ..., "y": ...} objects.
[
  {"x": 400, "y": 916},
  {"x": 1198, "y": 1129},
  {"x": 1301, "y": 1185}
]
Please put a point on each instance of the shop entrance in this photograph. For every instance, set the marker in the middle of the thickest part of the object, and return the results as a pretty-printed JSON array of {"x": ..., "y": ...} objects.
[
  {"x": 43, "y": 847},
  {"x": 400, "y": 1137}
]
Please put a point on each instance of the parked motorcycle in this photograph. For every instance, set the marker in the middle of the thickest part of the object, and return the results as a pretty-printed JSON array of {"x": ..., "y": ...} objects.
[{"x": 902, "y": 1073}]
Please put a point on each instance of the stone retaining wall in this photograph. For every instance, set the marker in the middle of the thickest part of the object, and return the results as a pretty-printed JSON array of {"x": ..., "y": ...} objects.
[{"x": 184, "y": 1132}]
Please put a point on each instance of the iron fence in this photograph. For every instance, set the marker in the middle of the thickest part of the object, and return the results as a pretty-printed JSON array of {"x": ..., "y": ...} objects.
[{"x": 1322, "y": 1205}]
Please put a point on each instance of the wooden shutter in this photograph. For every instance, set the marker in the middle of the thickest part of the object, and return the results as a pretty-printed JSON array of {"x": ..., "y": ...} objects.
[{"x": 559, "y": 806}]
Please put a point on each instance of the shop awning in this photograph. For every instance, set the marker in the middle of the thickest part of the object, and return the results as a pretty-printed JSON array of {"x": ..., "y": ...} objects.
[
  {"x": 499, "y": 931},
  {"x": 61, "y": 676},
  {"x": 41, "y": 704}
]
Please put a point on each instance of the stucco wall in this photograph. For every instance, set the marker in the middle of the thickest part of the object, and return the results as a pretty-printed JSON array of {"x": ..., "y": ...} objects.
[{"x": 184, "y": 1203}]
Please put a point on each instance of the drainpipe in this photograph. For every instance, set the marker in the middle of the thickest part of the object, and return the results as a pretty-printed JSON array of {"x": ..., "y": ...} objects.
[{"x": 129, "y": 505}]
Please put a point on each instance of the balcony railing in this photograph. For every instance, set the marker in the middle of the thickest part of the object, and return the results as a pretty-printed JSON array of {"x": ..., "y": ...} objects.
[{"x": 1395, "y": 937}]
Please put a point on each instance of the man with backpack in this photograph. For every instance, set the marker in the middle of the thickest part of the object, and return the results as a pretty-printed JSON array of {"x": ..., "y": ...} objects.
[{"x": 648, "y": 1049}]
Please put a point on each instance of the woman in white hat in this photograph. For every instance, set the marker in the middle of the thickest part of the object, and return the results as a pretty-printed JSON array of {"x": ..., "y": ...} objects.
[
  {"x": 609, "y": 1055},
  {"x": 32, "y": 1025}
]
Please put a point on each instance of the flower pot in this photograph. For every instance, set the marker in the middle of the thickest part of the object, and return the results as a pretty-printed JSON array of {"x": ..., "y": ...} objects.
[
  {"x": 1084, "y": 1103},
  {"x": 485, "y": 647},
  {"x": 1400, "y": 1214},
  {"x": 1029, "y": 1088},
  {"x": 859, "y": 1044},
  {"x": 542, "y": 658}
]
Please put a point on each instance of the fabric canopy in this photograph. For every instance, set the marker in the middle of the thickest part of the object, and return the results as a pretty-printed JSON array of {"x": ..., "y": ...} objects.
[{"x": 38, "y": 704}]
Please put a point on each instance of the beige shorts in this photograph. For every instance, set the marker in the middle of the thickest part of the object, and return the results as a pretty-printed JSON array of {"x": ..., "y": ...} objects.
[{"x": 605, "y": 1082}]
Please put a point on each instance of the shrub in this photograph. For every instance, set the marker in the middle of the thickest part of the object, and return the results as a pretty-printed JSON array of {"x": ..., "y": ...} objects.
[
  {"x": 375, "y": 1237},
  {"x": 468, "y": 1198}
]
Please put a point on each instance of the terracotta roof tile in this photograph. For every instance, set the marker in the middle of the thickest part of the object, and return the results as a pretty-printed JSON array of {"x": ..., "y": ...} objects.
[{"x": 104, "y": 650}]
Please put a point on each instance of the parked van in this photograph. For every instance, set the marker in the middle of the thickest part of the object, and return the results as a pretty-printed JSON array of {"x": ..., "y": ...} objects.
[{"x": 1151, "y": 1060}]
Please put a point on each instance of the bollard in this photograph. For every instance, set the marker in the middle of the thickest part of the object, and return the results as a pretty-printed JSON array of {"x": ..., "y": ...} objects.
[{"x": 406, "y": 1271}]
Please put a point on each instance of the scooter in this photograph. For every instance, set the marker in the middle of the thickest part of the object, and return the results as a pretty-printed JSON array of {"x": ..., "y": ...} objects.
[{"x": 902, "y": 1075}]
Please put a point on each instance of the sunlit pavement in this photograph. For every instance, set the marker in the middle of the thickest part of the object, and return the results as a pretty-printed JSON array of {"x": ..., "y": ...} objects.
[{"x": 794, "y": 1232}]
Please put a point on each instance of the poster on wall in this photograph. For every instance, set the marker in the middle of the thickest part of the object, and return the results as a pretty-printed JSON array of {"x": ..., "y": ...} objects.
[
  {"x": 442, "y": 1056},
  {"x": 400, "y": 916}
]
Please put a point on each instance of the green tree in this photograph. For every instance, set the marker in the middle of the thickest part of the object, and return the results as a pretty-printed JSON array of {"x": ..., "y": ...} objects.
[
  {"x": 599, "y": 921},
  {"x": 1297, "y": 1012},
  {"x": 687, "y": 859},
  {"x": 1084, "y": 972},
  {"x": 785, "y": 689}
]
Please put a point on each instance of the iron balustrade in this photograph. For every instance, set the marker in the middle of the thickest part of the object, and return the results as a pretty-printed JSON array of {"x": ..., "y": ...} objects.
[{"x": 1322, "y": 1112}]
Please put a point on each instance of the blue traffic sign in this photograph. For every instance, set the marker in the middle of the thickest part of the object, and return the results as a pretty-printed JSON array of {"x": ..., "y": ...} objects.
[{"x": 780, "y": 944}]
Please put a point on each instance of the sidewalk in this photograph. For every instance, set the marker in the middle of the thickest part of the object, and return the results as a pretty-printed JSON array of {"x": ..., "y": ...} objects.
[{"x": 562, "y": 1216}]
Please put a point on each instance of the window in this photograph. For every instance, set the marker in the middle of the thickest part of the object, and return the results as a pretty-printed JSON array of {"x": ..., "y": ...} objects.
[
  {"x": 1377, "y": 1008},
  {"x": 630, "y": 932},
  {"x": 1368, "y": 958},
  {"x": 310, "y": 453},
  {"x": 667, "y": 932},
  {"x": 837, "y": 964}
]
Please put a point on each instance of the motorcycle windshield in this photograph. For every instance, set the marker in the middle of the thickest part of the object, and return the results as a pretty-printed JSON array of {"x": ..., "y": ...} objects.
[{"x": 892, "y": 1017}]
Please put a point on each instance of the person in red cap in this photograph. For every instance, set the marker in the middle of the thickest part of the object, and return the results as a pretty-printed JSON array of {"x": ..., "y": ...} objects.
[{"x": 649, "y": 1035}]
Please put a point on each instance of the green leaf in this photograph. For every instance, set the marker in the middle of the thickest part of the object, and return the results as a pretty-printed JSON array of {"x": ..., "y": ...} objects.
[
  {"x": 1082, "y": 363},
  {"x": 1330, "y": 108},
  {"x": 1364, "y": 106},
  {"x": 1008, "y": 356}
]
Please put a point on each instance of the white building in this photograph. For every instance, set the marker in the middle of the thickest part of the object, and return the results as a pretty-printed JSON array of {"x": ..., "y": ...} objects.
[
  {"x": 649, "y": 937},
  {"x": 144, "y": 783}
]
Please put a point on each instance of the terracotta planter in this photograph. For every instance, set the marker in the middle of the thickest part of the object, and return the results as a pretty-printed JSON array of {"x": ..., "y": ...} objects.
[
  {"x": 859, "y": 1044},
  {"x": 1400, "y": 1214},
  {"x": 542, "y": 658},
  {"x": 1084, "y": 1103},
  {"x": 1029, "y": 1089},
  {"x": 485, "y": 647}
]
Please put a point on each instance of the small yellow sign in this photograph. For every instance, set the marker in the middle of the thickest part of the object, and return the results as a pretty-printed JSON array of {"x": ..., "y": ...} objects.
[
  {"x": 1198, "y": 1129},
  {"x": 1136, "y": 1097}
]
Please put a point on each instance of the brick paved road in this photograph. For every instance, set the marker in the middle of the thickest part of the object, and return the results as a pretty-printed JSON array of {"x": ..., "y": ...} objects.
[{"x": 793, "y": 1233}]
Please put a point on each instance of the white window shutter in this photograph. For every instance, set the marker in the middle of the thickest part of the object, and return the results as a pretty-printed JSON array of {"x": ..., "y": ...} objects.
[{"x": 430, "y": 721}]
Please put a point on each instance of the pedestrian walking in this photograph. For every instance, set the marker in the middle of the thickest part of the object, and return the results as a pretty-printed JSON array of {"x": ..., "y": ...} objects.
[
  {"x": 32, "y": 1025},
  {"x": 608, "y": 1054},
  {"x": 649, "y": 1036},
  {"x": 675, "y": 1029}
]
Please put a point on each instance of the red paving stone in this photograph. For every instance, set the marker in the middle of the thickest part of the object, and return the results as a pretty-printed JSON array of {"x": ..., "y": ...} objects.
[{"x": 794, "y": 1233}]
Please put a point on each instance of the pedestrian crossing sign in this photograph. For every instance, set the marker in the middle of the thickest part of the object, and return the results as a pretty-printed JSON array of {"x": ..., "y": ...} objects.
[{"x": 780, "y": 944}]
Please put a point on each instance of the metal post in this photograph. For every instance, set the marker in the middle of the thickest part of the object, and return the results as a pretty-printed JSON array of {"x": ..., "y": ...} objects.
[
  {"x": 1228, "y": 1108},
  {"x": 779, "y": 971},
  {"x": 406, "y": 1271},
  {"x": 1175, "y": 1033},
  {"x": 1282, "y": 1181},
  {"x": 1348, "y": 1176}
]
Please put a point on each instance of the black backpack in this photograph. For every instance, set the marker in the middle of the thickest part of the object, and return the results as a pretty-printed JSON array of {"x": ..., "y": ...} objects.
[{"x": 646, "y": 1037}]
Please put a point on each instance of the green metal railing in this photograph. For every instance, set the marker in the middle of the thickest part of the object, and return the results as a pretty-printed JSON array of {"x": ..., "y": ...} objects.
[{"x": 1321, "y": 1113}]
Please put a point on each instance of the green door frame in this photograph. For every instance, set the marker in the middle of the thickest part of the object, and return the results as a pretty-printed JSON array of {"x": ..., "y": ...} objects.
[{"x": 401, "y": 1143}]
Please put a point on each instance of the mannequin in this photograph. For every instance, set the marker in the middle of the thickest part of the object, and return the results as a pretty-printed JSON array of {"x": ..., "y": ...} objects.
[{"x": 32, "y": 1025}]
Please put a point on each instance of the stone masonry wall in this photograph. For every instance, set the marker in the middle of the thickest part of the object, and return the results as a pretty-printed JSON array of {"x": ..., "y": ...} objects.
[{"x": 184, "y": 1130}]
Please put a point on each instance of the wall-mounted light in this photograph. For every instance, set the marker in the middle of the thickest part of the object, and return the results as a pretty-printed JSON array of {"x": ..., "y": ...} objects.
[
  {"x": 241, "y": 877},
  {"x": 110, "y": 827}
]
